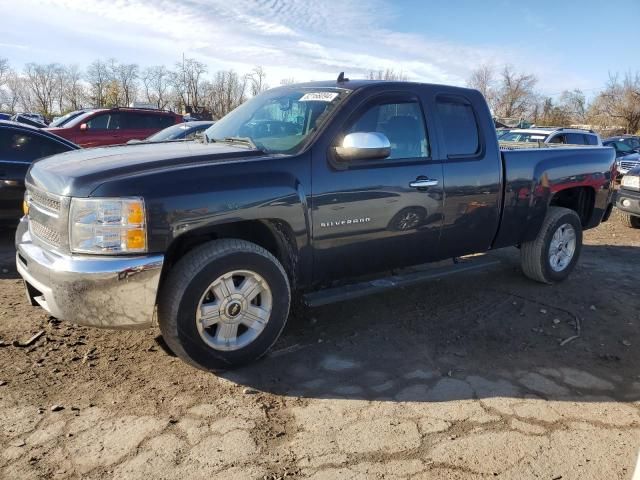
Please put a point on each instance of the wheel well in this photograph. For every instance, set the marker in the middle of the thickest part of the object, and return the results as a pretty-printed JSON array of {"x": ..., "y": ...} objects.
[
  {"x": 273, "y": 235},
  {"x": 579, "y": 199}
]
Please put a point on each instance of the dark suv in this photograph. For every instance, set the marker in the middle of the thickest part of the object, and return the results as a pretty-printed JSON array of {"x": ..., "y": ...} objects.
[
  {"x": 101, "y": 127},
  {"x": 20, "y": 146}
]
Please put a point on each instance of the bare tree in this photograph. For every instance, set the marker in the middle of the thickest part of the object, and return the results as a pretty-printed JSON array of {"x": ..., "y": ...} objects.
[
  {"x": 14, "y": 93},
  {"x": 4, "y": 70},
  {"x": 187, "y": 80},
  {"x": 156, "y": 81},
  {"x": 41, "y": 81},
  {"x": 483, "y": 79},
  {"x": 126, "y": 75},
  {"x": 225, "y": 93},
  {"x": 516, "y": 95},
  {"x": 73, "y": 91},
  {"x": 387, "y": 74},
  {"x": 619, "y": 103},
  {"x": 287, "y": 81},
  {"x": 575, "y": 104},
  {"x": 98, "y": 78},
  {"x": 256, "y": 80}
]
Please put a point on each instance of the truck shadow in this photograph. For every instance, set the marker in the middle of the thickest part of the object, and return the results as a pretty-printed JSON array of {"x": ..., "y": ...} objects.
[{"x": 489, "y": 334}]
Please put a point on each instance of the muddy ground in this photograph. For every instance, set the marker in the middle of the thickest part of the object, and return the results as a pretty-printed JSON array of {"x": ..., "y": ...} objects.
[{"x": 466, "y": 377}]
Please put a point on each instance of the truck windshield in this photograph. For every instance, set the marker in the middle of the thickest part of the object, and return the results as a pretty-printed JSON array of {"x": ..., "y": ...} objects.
[
  {"x": 279, "y": 120},
  {"x": 523, "y": 137}
]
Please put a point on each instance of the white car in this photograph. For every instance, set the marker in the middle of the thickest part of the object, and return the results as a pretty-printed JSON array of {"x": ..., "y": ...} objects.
[{"x": 550, "y": 135}]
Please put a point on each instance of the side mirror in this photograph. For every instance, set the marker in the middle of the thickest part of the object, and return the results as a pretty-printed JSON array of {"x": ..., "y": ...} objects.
[
  {"x": 364, "y": 146},
  {"x": 83, "y": 127}
]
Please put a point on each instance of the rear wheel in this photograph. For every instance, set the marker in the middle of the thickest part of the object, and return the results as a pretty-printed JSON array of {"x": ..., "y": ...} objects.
[
  {"x": 224, "y": 304},
  {"x": 630, "y": 220},
  {"x": 553, "y": 254}
]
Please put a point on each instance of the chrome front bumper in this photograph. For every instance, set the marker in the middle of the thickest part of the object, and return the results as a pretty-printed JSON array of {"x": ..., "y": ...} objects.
[{"x": 107, "y": 292}]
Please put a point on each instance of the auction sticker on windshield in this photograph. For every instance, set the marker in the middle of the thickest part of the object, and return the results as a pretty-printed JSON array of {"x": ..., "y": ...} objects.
[{"x": 318, "y": 97}]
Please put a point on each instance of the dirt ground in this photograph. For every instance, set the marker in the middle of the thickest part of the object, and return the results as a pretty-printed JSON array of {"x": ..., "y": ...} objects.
[{"x": 474, "y": 376}]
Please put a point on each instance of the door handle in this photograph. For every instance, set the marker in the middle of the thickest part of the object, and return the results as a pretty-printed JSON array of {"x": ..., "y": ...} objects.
[{"x": 423, "y": 183}]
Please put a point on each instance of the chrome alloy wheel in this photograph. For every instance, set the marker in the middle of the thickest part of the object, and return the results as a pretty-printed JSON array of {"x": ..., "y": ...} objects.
[
  {"x": 234, "y": 310},
  {"x": 408, "y": 221},
  {"x": 562, "y": 248}
]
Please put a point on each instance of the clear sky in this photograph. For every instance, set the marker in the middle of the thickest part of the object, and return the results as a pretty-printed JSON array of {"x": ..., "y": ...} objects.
[{"x": 567, "y": 44}]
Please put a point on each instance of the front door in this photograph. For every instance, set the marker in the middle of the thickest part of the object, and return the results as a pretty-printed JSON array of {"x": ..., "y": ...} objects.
[{"x": 372, "y": 215}]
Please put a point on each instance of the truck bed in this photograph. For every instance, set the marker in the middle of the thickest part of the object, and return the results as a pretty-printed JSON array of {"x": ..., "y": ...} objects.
[{"x": 533, "y": 175}]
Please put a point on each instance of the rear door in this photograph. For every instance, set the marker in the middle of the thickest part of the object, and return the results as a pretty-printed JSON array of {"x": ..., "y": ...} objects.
[
  {"x": 140, "y": 125},
  {"x": 371, "y": 215},
  {"x": 472, "y": 169}
]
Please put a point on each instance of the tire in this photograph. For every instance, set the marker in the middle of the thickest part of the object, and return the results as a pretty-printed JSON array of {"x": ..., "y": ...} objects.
[
  {"x": 630, "y": 221},
  {"x": 535, "y": 257},
  {"x": 188, "y": 290}
]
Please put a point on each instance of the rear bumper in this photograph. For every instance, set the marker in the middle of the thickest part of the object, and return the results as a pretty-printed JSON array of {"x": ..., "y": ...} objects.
[
  {"x": 107, "y": 292},
  {"x": 628, "y": 201}
]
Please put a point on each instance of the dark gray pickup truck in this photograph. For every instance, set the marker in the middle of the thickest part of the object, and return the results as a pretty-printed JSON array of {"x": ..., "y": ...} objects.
[{"x": 300, "y": 187}]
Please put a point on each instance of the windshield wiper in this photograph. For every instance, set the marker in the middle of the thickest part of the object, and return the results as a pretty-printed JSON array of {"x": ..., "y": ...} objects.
[{"x": 241, "y": 140}]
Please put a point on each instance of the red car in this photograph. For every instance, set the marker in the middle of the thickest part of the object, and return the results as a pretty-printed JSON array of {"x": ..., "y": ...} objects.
[{"x": 99, "y": 127}]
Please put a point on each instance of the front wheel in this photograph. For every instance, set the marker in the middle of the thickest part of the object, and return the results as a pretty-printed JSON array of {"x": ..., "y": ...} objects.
[
  {"x": 630, "y": 221},
  {"x": 553, "y": 254},
  {"x": 224, "y": 304}
]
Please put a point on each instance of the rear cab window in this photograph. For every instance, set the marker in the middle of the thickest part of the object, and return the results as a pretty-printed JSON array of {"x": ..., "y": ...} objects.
[{"x": 459, "y": 126}]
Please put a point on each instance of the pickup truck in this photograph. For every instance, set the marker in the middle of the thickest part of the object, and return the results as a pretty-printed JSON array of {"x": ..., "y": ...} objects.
[{"x": 300, "y": 187}]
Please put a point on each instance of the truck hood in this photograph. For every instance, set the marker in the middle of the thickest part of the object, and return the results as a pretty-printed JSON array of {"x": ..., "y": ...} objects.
[{"x": 79, "y": 172}]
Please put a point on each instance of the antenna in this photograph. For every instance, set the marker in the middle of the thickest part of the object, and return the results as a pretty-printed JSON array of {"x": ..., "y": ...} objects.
[{"x": 341, "y": 78}]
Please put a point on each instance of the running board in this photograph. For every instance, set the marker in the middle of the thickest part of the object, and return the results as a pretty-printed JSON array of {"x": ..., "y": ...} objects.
[{"x": 356, "y": 290}]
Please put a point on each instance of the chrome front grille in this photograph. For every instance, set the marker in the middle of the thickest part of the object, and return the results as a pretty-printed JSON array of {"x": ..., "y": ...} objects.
[
  {"x": 44, "y": 200},
  {"x": 48, "y": 217},
  {"x": 628, "y": 165},
  {"x": 45, "y": 233}
]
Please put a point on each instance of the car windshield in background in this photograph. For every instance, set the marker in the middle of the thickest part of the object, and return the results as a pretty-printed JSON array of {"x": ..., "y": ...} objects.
[
  {"x": 620, "y": 146},
  {"x": 66, "y": 118},
  {"x": 279, "y": 120},
  {"x": 523, "y": 137},
  {"x": 171, "y": 133}
]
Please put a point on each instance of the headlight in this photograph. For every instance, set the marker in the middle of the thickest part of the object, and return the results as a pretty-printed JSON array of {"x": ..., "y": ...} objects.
[
  {"x": 631, "y": 181},
  {"x": 107, "y": 225}
]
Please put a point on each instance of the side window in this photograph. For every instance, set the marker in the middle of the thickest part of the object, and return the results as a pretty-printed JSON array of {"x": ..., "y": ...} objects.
[
  {"x": 575, "y": 139},
  {"x": 590, "y": 139},
  {"x": 401, "y": 122},
  {"x": 148, "y": 121},
  {"x": 134, "y": 121},
  {"x": 98, "y": 122},
  {"x": 558, "y": 139},
  {"x": 107, "y": 121},
  {"x": 459, "y": 125},
  {"x": 163, "y": 121},
  {"x": 27, "y": 147}
]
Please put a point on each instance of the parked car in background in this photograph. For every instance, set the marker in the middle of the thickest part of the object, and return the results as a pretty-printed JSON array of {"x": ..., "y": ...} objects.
[
  {"x": 5, "y": 116},
  {"x": 64, "y": 119},
  {"x": 38, "y": 117},
  {"x": 301, "y": 186},
  {"x": 628, "y": 198},
  {"x": 181, "y": 131},
  {"x": 626, "y": 157},
  {"x": 22, "y": 118},
  {"x": 20, "y": 145},
  {"x": 551, "y": 135},
  {"x": 500, "y": 132},
  {"x": 100, "y": 127},
  {"x": 632, "y": 141}
]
